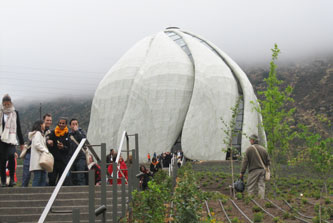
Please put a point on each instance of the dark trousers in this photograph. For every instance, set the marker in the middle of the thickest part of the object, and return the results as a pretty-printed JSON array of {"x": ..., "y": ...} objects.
[
  {"x": 7, "y": 152},
  {"x": 79, "y": 178},
  {"x": 55, "y": 176},
  {"x": 26, "y": 173}
]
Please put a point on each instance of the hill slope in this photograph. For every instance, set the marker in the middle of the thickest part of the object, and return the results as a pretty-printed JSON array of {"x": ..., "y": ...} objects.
[{"x": 313, "y": 94}]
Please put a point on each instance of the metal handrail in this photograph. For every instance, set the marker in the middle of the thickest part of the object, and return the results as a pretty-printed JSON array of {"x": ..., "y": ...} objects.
[
  {"x": 121, "y": 145},
  {"x": 60, "y": 182}
]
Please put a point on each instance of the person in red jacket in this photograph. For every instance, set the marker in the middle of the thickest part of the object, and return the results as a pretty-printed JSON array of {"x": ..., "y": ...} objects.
[{"x": 121, "y": 172}]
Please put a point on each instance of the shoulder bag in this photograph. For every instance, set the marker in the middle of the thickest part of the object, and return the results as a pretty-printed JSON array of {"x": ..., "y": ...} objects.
[
  {"x": 267, "y": 171},
  {"x": 46, "y": 161}
]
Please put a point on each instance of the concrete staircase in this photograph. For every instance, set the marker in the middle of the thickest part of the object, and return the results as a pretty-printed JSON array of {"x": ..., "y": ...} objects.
[{"x": 27, "y": 204}]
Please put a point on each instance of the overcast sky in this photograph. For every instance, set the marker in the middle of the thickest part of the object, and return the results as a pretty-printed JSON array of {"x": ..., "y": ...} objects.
[{"x": 64, "y": 48}]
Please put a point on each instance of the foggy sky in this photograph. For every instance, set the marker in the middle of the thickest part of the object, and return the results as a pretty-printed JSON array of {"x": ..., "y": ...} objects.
[{"x": 62, "y": 48}]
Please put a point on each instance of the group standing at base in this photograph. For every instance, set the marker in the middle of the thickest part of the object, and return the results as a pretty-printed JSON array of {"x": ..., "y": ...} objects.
[{"x": 61, "y": 142}]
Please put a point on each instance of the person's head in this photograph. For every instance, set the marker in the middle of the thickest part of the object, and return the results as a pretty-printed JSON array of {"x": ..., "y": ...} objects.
[
  {"x": 91, "y": 159},
  {"x": 143, "y": 168},
  {"x": 154, "y": 160},
  {"x": 38, "y": 126},
  {"x": 62, "y": 123},
  {"x": 121, "y": 159},
  {"x": 47, "y": 118},
  {"x": 111, "y": 151},
  {"x": 254, "y": 139},
  {"x": 6, "y": 101},
  {"x": 73, "y": 123}
]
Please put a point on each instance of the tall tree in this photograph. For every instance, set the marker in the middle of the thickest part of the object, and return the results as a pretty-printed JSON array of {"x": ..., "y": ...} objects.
[{"x": 276, "y": 115}]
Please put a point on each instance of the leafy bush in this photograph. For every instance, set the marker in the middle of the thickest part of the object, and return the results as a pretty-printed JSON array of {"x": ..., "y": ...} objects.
[
  {"x": 258, "y": 217},
  {"x": 256, "y": 209},
  {"x": 187, "y": 198},
  {"x": 239, "y": 196},
  {"x": 149, "y": 205},
  {"x": 235, "y": 220}
]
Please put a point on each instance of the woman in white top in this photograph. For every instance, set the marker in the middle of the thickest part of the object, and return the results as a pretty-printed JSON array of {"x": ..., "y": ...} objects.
[{"x": 38, "y": 146}]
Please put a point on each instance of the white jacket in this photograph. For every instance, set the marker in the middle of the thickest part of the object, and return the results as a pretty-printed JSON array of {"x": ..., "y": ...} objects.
[{"x": 38, "y": 146}]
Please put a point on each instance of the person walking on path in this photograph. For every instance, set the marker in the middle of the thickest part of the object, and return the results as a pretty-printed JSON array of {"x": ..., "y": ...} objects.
[
  {"x": 251, "y": 161},
  {"x": 10, "y": 128}
]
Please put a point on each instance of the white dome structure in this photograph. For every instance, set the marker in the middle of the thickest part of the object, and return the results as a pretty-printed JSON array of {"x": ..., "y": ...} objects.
[{"x": 174, "y": 86}]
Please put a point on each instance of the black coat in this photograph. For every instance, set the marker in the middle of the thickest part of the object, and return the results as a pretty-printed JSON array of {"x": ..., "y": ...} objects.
[
  {"x": 60, "y": 155},
  {"x": 78, "y": 135}
]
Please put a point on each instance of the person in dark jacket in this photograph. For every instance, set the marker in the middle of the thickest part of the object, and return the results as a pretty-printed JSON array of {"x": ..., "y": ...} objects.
[
  {"x": 144, "y": 177},
  {"x": 75, "y": 136},
  {"x": 10, "y": 128},
  {"x": 58, "y": 144},
  {"x": 252, "y": 162},
  {"x": 110, "y": 157}
]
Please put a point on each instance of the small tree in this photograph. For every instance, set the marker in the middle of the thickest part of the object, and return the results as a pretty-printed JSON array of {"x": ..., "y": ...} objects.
[
  {"x": 317, "y": 152},
  {"x": 230, "y": 131},
  {"x": 276, "y": 117}
]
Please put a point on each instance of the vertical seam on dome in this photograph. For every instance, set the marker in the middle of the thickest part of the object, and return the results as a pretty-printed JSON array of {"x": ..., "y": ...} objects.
[{"x": 240, "y": 90}]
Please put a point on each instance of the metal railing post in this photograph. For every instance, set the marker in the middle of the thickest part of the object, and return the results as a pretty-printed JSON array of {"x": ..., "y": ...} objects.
[
  {"x": 123, "y": 198},
  {"x": 136, "y": 166},
  {"x": 133, "y": 176},
  {"x": 103, "y": 179},
  {"x": 114, "y": 194},
  {"x": 91, "y": 196},
  {"x": 76, "y": 215}
]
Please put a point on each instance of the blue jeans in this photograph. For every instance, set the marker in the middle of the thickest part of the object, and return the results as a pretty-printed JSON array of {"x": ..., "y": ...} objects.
[
  {"x": 79, "y": 178},
  {"x": 26, "y": 173},
  {"x": 39, "y": 178}
]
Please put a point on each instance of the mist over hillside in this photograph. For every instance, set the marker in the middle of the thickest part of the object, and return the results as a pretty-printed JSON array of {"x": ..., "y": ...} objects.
[
  {"x": 69, "y": 108},
  {"x": 312, "y": 81}
]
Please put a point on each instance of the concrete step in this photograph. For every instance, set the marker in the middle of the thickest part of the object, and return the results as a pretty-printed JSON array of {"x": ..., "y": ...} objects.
[
  {"x": 52, "y": 217},
  {"x": 46, "y": 196},
  {"x": 39, "y": 209},
  {"x": 58, "y": 202},
  {"x": 49, "y": 189}
]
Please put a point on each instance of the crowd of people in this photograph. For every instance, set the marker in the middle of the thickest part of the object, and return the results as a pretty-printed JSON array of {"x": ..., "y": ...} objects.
[{"x": 61, "y": 142}]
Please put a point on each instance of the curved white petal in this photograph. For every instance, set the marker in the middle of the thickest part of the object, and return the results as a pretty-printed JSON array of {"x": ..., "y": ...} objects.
[
  {"x": 215, "y": 92},
  {"x": 111, "y": 97},
  {"x": 160, "y": 97}
]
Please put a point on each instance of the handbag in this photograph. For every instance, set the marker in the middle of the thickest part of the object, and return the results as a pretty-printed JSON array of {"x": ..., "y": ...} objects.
[
  {"x": 267, "y": 171},
  {"x": 46, "y": 161},
  {"x": 24, "y": 151}
]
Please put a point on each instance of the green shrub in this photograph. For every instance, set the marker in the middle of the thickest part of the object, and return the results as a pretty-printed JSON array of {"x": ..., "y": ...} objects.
[
  {"x": 187, "y": 198},
  {"x": 239, "y": 196},
  {"x": 327, "y": 201},
  {"x": 256, "y": 208},
  {"x": 304, "y": 201},
  {"x": 268, "y": 205},
  {"x": 258, "y": 217},
  {"x": 235, "y": 220},
  {"x": 148, "y": 206},
  {"x": 276, "y": 220},
  {"x": 285, "y": 215}
]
